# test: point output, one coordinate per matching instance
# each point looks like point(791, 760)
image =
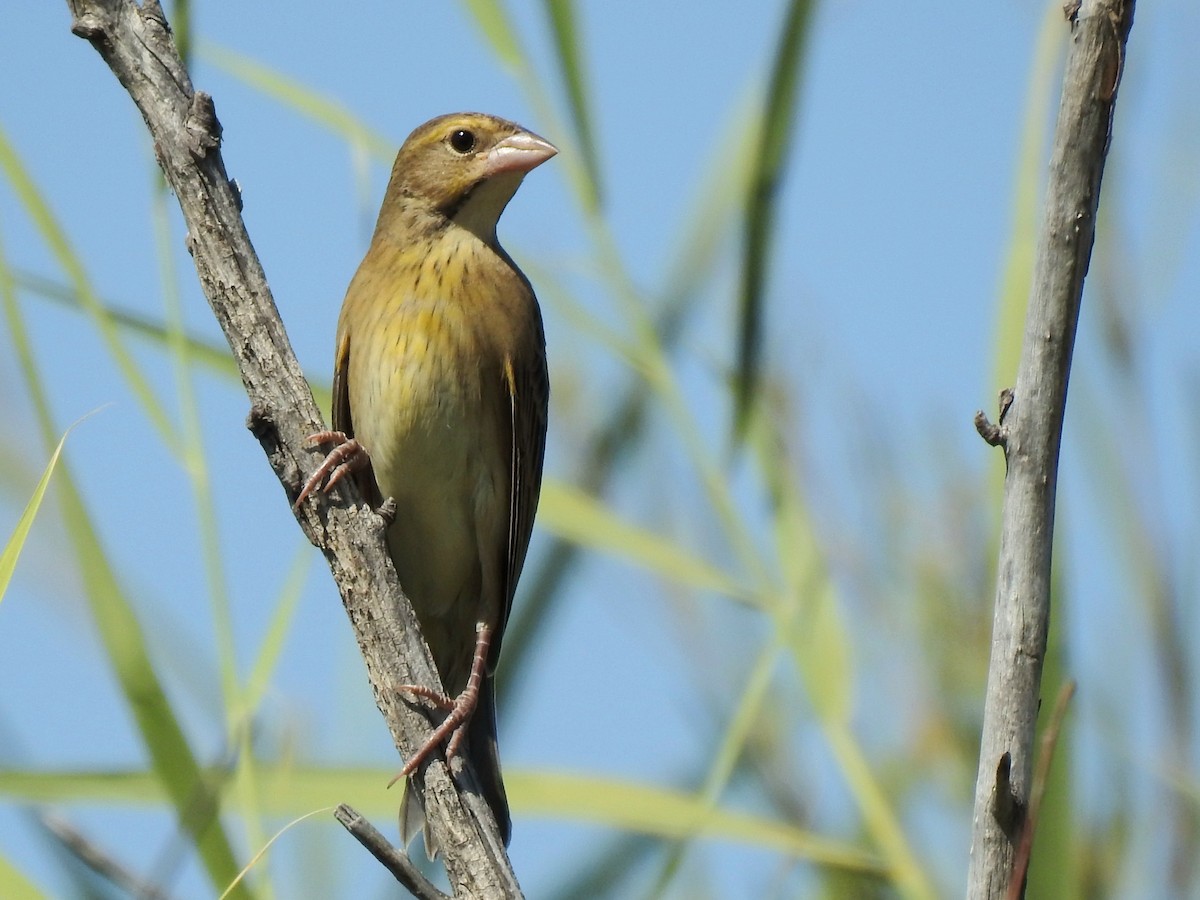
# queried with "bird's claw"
point(454, 729)
point(451, 732)
point(346, 457)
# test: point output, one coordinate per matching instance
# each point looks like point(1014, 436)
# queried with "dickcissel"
point(440, 391)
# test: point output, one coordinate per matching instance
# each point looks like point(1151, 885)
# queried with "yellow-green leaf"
point(572, 515)
point(12, 549)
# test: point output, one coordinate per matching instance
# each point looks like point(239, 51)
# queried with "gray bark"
point(1030, 432)
point(136, 44)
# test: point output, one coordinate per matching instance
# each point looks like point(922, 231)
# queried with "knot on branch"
point(87, 26)
point(1007, 808)
point(152, 14)
point(997, 434)
point(261, 423)
point(203, 129)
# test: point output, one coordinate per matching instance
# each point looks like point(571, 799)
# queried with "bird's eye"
point(462, 141)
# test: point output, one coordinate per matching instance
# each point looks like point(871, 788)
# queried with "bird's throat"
point(479, 209)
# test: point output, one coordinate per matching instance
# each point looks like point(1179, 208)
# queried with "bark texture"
point(136, 43)
point(1030, 431)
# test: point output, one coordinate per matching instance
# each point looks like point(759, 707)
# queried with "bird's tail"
point(484, 754)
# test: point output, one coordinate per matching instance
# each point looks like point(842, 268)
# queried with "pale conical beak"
point(518, 153)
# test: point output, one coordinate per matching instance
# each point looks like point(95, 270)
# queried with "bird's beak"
point(518, 153)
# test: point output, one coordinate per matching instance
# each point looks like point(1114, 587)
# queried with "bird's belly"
point(440, 455)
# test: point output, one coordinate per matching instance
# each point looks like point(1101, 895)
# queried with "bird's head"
point(464, 167)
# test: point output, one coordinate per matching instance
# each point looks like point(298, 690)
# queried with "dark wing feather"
point(529, 394)
point(343, 422)
point(341, 387)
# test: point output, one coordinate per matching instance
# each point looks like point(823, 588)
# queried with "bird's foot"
point(453, 730)
point(346, 457)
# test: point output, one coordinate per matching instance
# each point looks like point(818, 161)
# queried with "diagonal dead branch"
point(136, 44)
point(389, 857)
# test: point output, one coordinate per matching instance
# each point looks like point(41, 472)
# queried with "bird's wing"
point(341, 387)
point(343, 422)
point(528, 393)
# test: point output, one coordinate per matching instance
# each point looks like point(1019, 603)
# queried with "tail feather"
point(485, 757)
point(412, 819)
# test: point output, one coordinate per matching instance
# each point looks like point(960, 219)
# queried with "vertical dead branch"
point(135, 41)
point(1030, 433)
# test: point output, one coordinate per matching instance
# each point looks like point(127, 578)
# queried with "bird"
point(440, 402)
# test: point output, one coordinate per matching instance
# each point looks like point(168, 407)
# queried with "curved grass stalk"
point(175, 766)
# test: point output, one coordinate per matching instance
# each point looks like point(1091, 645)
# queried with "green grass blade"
point(888, 834)
point(570, 514)
point(666, 813)
point(14, 885)
point(747, 713)
point(212, 356)
point(243, 785)
point(266, 846)
point(647, 809)
point(1018, 265)
point(277, 630)
point(775, 138)
point(494, 23)
point(56, 240)
point(720, 190)
point(570, 62)
point(16, 541)
point(123, 639)
point(710, 214)
point(181, 28)
point(305, 100)
point(813, 628)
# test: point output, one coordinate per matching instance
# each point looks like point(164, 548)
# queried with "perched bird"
point(440, 390)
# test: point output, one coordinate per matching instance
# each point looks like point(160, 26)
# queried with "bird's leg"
point(461, 707)
point(346, 457)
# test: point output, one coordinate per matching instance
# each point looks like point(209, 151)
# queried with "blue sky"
point(895, 219)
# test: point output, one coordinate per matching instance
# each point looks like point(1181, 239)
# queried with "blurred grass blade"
point(907, 876)
point(555, 293)
point(494, 23)
point(774, 142)
point(123, 639)
point(181, 29)
point(563, 22)
point(195, 466)
point(695, 258)
point(648, 809)
point(813, 628)
point(277, 631)
point(305, 100)
point(214, 356)
point(498, 30)
point(746, 718)
point(267, 846)
point(665, 813)
point(129, 656)
point(809, 621)
point(14, 885)
point(12, 550)
point(38, 211)
point(1018, 265)
point(706, 223)
point(571, 514)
